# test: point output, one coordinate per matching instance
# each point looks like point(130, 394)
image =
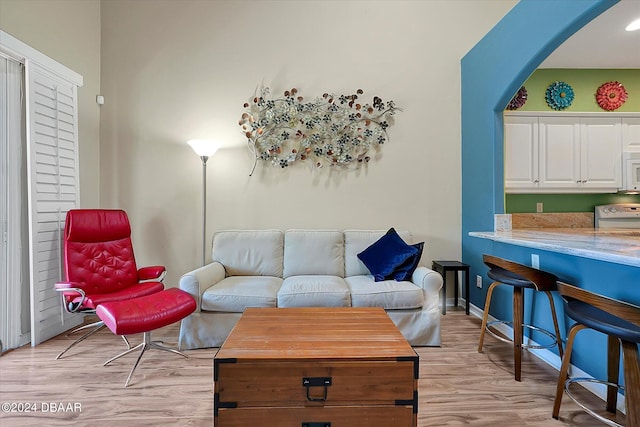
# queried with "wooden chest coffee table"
point(315, 367)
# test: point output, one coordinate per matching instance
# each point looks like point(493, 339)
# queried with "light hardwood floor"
point(457, 386)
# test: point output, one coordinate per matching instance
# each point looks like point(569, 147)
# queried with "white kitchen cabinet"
point(521, 152)
point(559, 151)
point(601, 153)
point(631, 134)
point(562, 153)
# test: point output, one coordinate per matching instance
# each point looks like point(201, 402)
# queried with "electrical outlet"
point(539, 207)
point(535, 261)
point(479, 281)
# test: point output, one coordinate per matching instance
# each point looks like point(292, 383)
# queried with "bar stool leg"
point(564, 369)
point(555, 323)
point(518, 316)
point(631, 382)
point(613, 372)
point(485, 316)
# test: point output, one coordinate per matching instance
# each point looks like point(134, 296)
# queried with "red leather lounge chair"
point(100, 266)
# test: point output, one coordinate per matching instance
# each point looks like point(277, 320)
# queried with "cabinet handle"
point(316, 424)
point(535, 181)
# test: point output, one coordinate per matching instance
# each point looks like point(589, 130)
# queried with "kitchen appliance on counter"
point(621, 215)
point(631, 173)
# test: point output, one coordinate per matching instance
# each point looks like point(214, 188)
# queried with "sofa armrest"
point(197, 281)
point(431, 282)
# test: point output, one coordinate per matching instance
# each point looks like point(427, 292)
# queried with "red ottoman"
point(143, 315)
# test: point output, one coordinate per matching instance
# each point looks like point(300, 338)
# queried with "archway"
point(491, 72)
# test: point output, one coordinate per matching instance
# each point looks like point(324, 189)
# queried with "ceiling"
point(603, 43)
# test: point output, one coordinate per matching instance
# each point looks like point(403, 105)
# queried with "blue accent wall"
point(491, 73)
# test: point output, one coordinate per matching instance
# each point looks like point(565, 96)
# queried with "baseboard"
point(550, 358)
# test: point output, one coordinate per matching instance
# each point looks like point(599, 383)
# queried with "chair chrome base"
point(147, 343)
point(588, 410)
point(526, 326)
point(96, 327)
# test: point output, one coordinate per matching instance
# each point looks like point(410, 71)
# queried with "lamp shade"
point(204, 147)
point(634, 26)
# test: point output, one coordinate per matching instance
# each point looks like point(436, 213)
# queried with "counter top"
point(620, 246)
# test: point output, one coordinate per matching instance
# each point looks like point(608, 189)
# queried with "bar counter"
point(603, 261)
point(620, 246)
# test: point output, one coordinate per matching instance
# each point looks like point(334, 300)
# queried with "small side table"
point(442, 267)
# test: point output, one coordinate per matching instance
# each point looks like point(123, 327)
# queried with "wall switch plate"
point(539, 207)
point(535, 261)
point(479, 281)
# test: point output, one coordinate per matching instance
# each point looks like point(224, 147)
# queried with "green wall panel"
point(585, 83)
point(526, 203)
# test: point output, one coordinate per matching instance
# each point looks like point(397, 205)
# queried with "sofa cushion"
point(313, 252)
point(386, 254)
point(388, 294)
point(236, 293)
point(355, 241)
point(249, 252)
point(314, 291)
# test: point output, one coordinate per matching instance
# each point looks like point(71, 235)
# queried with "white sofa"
point(302, 268)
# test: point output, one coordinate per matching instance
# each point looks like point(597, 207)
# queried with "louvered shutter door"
point(52, 167)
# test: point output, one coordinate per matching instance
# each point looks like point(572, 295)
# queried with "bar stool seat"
point(620, 321)
point(509, 278)
point(520, 277)
point(602, 321)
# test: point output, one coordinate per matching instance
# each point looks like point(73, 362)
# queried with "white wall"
point(175, 70)
point(67, 31)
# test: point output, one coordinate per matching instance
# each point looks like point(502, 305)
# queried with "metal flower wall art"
point(611, 95)
point(519, 99)
point(331, 130)
point(559, 95)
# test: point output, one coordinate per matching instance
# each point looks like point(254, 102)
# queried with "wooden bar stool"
point(620, 321)
point(520, 277)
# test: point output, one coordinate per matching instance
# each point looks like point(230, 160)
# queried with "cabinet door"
point(600, 153)
point(559, 152)
point(520, 152)
point(631, 134)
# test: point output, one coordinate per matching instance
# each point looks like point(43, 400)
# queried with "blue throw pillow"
point(406, 269)
point(386, 254)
